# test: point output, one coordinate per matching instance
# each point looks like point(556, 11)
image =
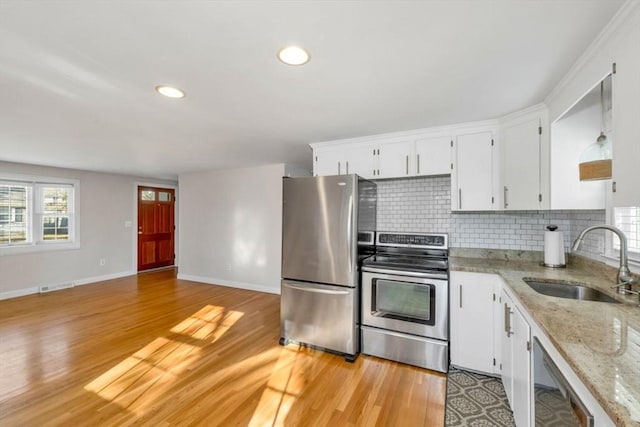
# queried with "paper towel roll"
point(553, 249)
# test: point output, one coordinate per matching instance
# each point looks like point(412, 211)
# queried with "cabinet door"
point(395, 160)
point(359, 160)
point(328, 162)
point(472, 322)
point(521, 368)
point(521, 165)
point(473, 172)
point(626, 122)
point(506, 346)
point(433, 156)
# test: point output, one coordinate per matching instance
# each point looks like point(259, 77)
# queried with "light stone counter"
point(600, 341)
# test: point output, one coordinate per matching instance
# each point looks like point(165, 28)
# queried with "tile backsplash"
point(424, 205)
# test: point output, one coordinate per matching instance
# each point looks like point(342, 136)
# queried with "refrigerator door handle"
point(349, 238)
point(317, 291)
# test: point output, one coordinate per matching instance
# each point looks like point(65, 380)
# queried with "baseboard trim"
point(229, 283)
point(96, 279)
point(88, 280)
point(19, 293)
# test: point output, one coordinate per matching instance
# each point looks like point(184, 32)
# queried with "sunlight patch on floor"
point(150, 370)
point(284, 387)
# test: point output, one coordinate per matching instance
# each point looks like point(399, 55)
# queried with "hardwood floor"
point(155, 350)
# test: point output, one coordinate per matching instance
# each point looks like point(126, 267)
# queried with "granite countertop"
point(600, 341)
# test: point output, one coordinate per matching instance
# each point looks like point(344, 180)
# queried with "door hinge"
point(528, 345)
point(451, 166)
point(613, 186)
point(539, 130)
point(316, 158)
point(614, 68)
point(452, 142)
point(494, 361)
point(501, 366)
point(492, 199)
point(494, 298)
point(492, 142)
point(540, 197)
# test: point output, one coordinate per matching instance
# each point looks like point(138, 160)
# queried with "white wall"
point(572, 134)
point(106, 202)
point(231, 227)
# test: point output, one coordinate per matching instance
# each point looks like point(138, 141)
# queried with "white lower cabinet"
point(472, 300)
point(484, 329)
point(516, 361)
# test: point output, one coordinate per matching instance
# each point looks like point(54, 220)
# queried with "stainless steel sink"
point(569, 291)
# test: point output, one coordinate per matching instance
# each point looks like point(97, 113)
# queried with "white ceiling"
point(77, 77)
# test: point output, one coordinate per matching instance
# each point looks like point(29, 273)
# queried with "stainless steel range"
point(405, 300)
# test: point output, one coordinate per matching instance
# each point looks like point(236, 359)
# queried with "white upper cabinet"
point(338, 161)
point(360, 160)
point(433, 155)
point(328, 162)
point(395, 159)
point(520, 142)
point(473, 172)
point(626, 121)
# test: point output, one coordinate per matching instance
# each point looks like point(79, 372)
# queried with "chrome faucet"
point(624, 277)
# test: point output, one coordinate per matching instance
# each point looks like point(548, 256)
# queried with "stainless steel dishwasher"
point(555, 402)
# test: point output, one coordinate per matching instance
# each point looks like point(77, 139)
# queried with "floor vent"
point(51, 288)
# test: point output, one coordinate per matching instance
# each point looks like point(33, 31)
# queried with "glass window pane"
point(148, 195)
point(164, 196)
point(55, 200)
point(18, 232)
point(55, 228)
point(403, 299)
point(627, 219)
point(14, 213)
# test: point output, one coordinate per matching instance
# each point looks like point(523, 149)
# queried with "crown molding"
point(624, 14)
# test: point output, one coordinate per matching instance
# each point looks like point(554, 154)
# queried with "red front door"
point(156, 227)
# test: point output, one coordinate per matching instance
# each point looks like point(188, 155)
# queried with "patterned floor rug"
point(476, 400)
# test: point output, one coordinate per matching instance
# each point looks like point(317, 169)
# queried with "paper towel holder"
point(561, 263)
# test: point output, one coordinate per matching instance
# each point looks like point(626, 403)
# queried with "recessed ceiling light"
point(170, 91)
point(293, 55)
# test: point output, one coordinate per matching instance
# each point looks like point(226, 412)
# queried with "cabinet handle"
point(418, 163)
point(338, 168)
point(506, 191)
point(460, 296)
point(507, 320)
point(347, 167)
point(459, 198)
point(407, 164)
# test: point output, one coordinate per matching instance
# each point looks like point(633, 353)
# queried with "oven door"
point(412, 305)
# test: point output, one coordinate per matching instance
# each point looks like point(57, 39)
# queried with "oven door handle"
point(404, 273)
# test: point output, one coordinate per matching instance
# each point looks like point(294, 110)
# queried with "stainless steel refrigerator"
point(322, 219)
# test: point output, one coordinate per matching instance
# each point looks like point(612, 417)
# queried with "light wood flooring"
point(158, 351)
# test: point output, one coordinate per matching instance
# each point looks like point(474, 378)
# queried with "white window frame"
point(610, 252)
point(34, 227)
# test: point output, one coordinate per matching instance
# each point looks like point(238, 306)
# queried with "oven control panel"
point(413, 240)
